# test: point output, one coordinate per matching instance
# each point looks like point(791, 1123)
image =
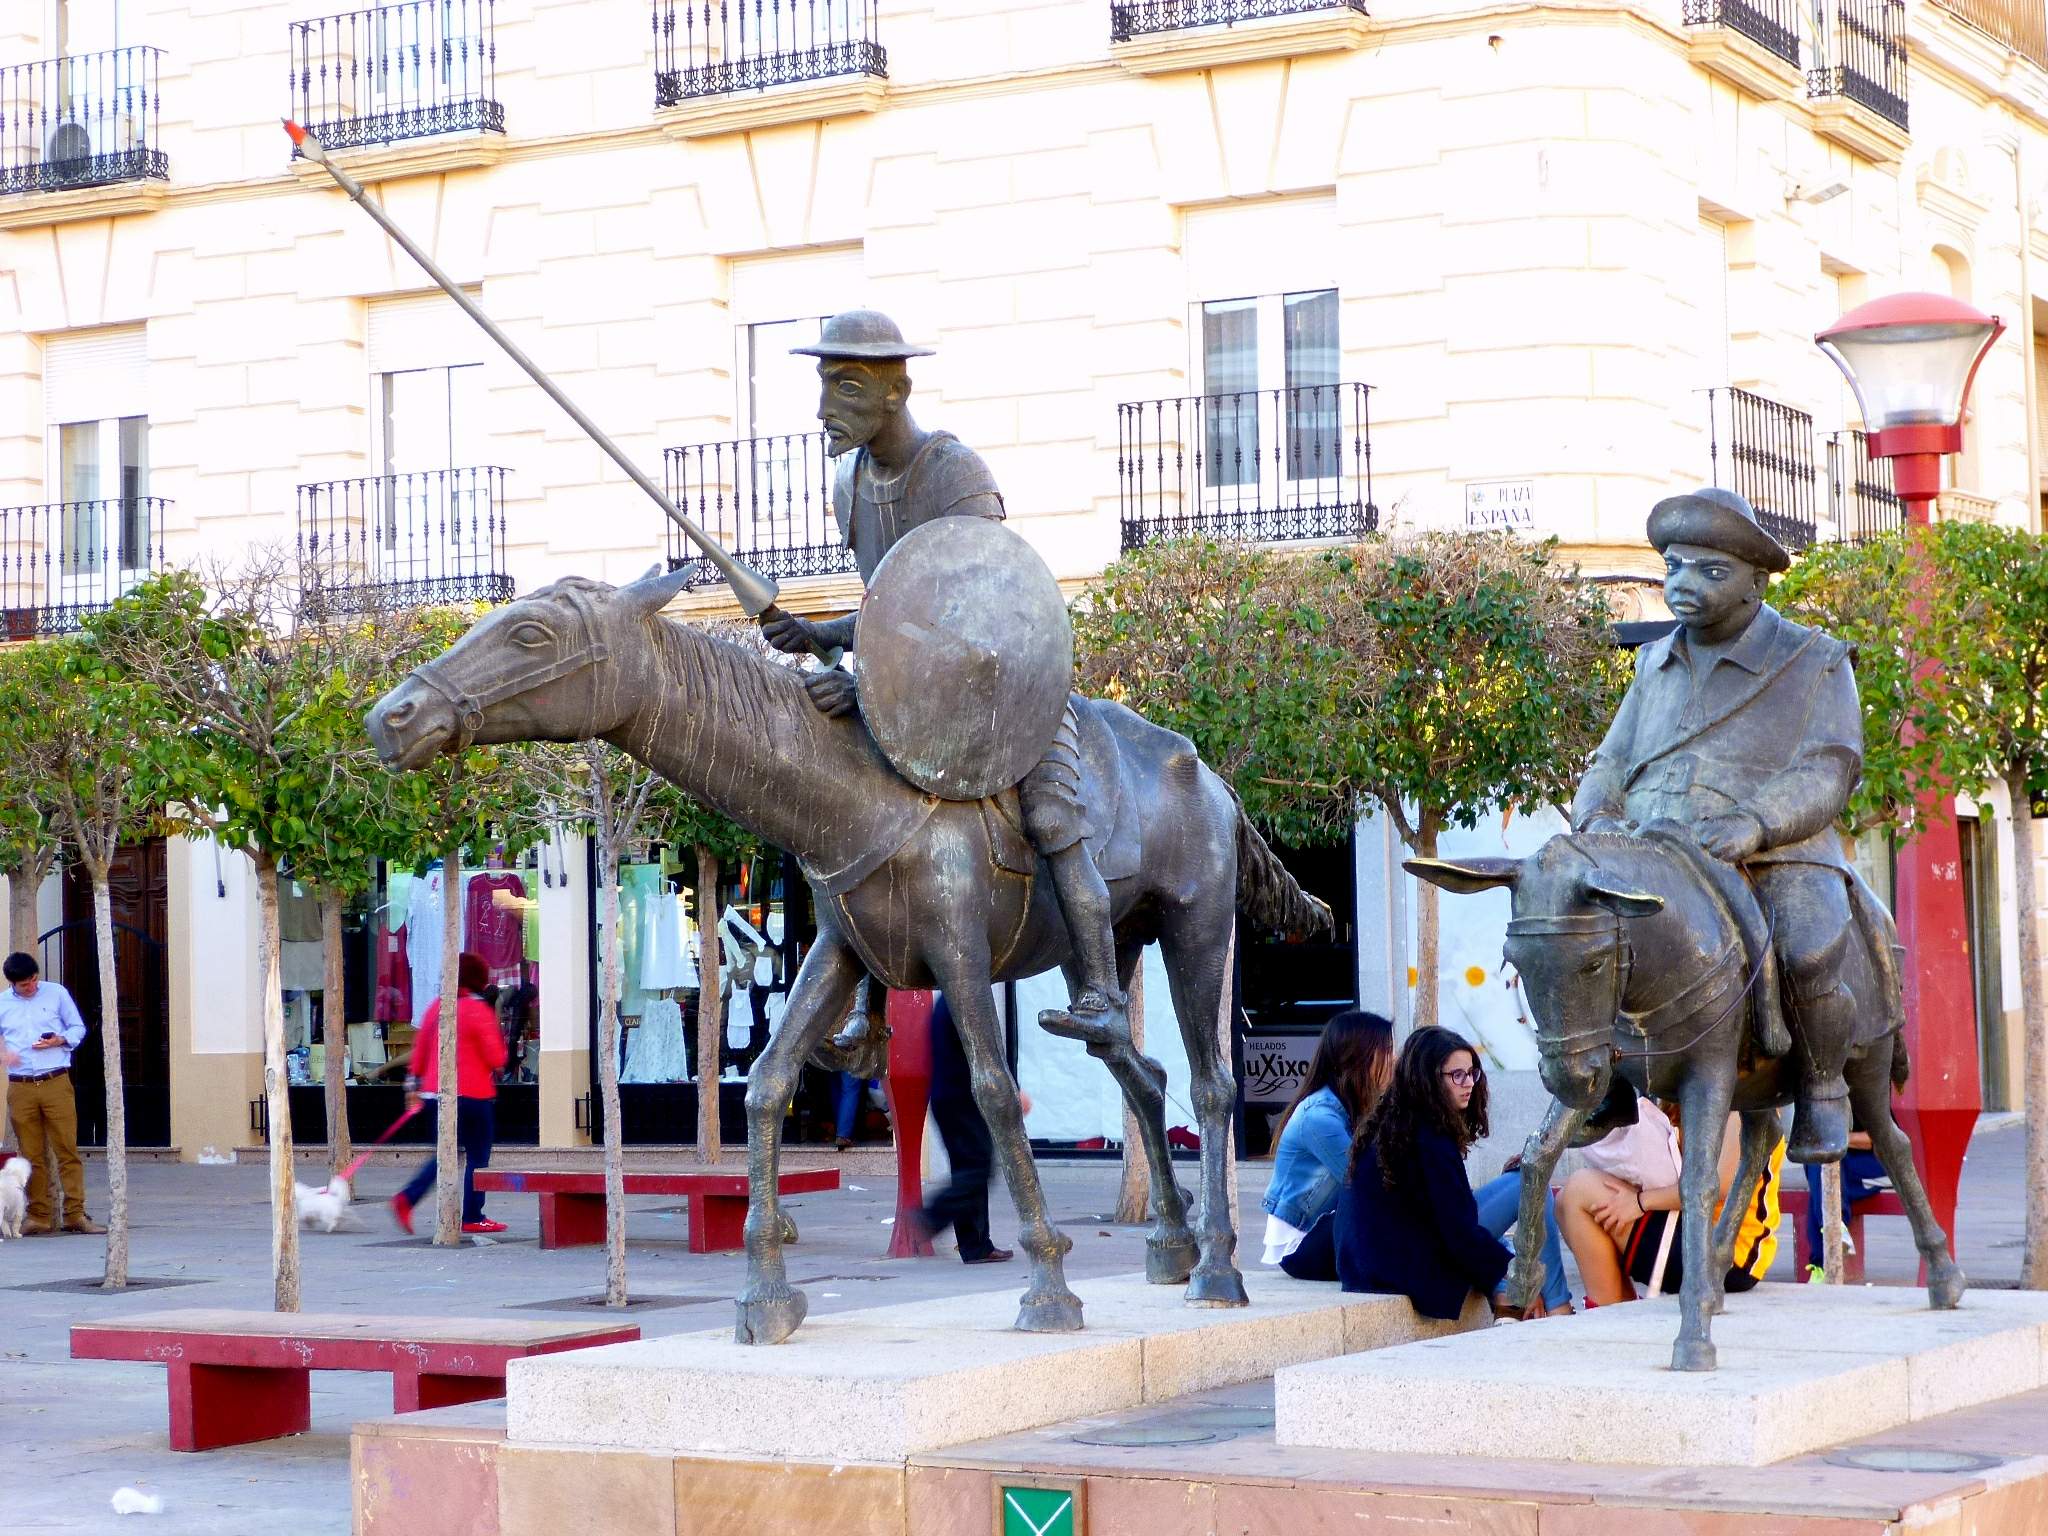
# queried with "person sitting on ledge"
point(1621, 1231)
point(1407, 1223)
point(1351, 1067)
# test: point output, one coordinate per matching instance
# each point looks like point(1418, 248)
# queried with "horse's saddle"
point(1107, 793)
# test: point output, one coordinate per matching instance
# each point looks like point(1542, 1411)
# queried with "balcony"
point(417, 540)
point(1158, 36)
point(1858, 91)
point(87, 120)
point(767, 499)
point(1752, 44)
point(1769, 448)
point(1860, 490)
point(2021, 25)
point(709, 52)
point(65, 560)
point(412, 70)
point(1262, 466)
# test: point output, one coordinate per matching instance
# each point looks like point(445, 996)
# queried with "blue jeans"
point(475, 1123)
point(846, 1104)
point(1858, 1169)
point(1498, 1201)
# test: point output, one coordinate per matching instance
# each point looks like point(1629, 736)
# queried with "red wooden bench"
point(572, 1201)
point(236, 1377)
point(1885, 1202)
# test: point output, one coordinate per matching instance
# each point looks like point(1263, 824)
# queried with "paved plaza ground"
point(78, 1430)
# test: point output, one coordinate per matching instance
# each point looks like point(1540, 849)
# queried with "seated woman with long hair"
point(1407, 1223)
point(1352, 1065)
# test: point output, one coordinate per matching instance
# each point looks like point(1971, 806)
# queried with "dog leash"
point(390, 1130)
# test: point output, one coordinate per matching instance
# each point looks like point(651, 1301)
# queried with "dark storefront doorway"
point(138, 885)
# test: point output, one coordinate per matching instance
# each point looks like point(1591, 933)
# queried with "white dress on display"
point(658, 1054)
point(664, 964)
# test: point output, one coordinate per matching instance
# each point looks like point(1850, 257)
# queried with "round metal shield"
point(966, 657)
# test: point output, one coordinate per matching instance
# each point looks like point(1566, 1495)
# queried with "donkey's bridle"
point(469, 707)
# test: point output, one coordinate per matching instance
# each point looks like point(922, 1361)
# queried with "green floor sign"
point(1038, 1512)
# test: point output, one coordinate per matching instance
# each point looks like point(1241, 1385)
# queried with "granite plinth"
point(882, 1384)
point(1801, 1368)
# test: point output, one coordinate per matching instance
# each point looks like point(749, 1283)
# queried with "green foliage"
point(2003, 572)
point(28, 830)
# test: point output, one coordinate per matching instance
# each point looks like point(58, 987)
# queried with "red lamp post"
point(1910, 358)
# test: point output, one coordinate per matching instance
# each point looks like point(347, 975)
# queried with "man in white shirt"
point(40, 1028)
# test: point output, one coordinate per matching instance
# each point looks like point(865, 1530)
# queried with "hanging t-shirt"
point(664, 962)
point(423, 933)
point(394, 976)
point(491, 932)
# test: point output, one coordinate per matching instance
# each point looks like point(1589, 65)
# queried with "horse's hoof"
point(1217, 1288)
point(1171, 1259)
point(1693, 1355)
point(1050, 1312)
point(769, 1319)
point(1945, 1286)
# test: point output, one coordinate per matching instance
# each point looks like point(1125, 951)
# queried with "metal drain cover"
point(1159, 1432)
point(1911, 1458)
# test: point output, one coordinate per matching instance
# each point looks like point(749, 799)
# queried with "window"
point(1277, 353)
point(427, 410)
point(95, 404)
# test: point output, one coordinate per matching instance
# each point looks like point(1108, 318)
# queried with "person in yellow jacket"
point(1617, 1231)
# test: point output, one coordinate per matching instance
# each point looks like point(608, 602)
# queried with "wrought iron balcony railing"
point(767, 499)
point(65, 560)
point(1262, 466)
point(1864, 57)
point(404, 540)
point(1770, 24)
point(716, 47)
point(2022, 25)
point(1860, 490)
point(1135, 18)
point(1770, 449)
point(403, 71)
point(86, 120)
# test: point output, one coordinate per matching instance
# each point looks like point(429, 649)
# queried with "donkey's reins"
point(469, 707)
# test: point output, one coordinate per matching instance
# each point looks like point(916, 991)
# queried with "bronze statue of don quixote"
point(963, 819)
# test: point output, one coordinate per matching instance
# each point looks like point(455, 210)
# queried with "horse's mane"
point(758, 695)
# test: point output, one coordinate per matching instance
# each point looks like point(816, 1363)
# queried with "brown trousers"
point(45, 1116)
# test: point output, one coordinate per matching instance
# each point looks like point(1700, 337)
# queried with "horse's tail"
point(1267, 894)
point(1901, 1067)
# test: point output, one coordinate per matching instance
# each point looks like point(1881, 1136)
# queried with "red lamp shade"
point(1910, 358)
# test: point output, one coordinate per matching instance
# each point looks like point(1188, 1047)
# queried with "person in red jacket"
point(479, 1053)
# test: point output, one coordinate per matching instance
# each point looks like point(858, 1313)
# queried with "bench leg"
point(571, 1221)
point(718, 1223)
point(413, 1390)
point(216, 1405)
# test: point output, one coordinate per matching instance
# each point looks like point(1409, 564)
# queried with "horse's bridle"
point(469, 707)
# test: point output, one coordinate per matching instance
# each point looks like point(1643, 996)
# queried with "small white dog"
point(13, 1195)
point(325, 1208)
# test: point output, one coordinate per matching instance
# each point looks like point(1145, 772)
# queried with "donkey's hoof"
point(769, 1319)
point(1050, 1312)
point(1693, 1355)
point(1217, 1288)
point(1169, 1260)
point(1945, 1286)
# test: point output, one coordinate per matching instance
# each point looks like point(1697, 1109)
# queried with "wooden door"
point(138, 886)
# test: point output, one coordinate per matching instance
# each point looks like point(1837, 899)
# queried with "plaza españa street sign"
point(1039, 1512)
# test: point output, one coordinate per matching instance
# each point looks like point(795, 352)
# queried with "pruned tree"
point(29, 838)
point(95, 764)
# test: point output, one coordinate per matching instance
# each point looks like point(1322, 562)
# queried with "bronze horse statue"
point(1634, 965)
point(912, 891)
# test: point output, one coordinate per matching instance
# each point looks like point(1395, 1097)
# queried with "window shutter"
point(1247, 250)
point(94, 375)
point(423, 331)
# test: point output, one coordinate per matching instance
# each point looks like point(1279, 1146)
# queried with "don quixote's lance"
point(755, 593)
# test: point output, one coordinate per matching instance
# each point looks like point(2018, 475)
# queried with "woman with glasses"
point(1407, 1222)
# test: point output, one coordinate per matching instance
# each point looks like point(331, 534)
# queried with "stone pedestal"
point(1801, 1367)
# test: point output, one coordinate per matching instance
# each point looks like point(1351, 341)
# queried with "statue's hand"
point(787, 632)
point(1731, 838)
point(832, 691)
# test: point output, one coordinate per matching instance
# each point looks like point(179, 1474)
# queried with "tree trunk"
point(608, 1086)
point(447, 1168)
point(334, 1034)
point(1134, 1195)
point(1833, 1234)
point(23, 883)
point(710, 1027)
point(2033, 1027)
point(284, 1215)
point(1427, 932)
point(117, 1096)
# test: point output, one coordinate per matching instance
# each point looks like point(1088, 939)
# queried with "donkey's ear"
point(651, 593)
point(1622, 903)
point(1465, 877)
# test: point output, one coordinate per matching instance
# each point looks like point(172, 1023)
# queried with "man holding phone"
point(40, 1028)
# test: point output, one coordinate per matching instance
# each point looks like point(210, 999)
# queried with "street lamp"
point(1910, 358)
